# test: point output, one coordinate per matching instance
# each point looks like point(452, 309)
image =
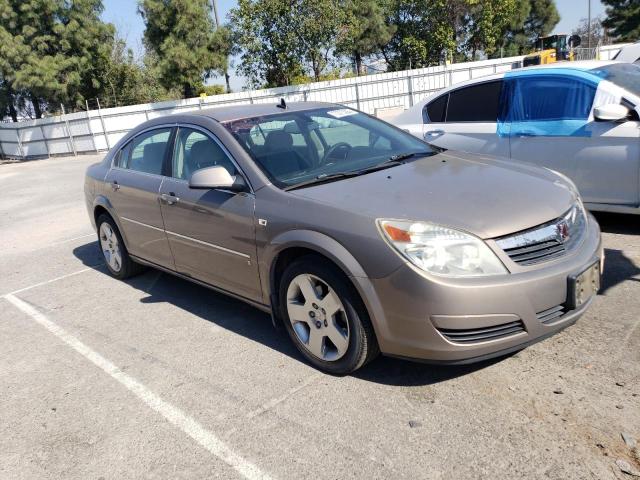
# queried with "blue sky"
point(123, 13)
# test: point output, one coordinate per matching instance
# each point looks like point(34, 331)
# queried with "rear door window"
point(147, 151)
point(435, 111)
point(476, 103)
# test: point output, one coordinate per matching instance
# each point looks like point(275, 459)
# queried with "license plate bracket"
point(583, 286)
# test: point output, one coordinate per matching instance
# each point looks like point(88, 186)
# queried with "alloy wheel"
point(318, 318)
point(110, 247)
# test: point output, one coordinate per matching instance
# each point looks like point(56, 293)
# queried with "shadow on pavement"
point(618, 268)
point(256, 325)
point(618, 223)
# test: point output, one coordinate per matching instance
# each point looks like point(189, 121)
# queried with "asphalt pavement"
point(158, 378)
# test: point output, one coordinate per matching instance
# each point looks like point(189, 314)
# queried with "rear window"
point(435, 111)
point(477, 103)
point(625, 75)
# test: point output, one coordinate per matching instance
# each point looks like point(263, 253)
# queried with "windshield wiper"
point(404, 156)
point(325, 178)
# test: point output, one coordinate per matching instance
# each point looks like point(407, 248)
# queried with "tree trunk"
point(36, 106)
point(187, 90)
point(226, 79)
point(12, 111)
point(358, 59)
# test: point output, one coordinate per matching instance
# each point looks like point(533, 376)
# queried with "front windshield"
point(625, 75)
point(297, 147)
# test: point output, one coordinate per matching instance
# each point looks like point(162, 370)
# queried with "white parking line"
point(94, 234)
point(46, 282)
point(172, 414)
point(275, 401)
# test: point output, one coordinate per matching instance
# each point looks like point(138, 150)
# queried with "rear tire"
point(114, 251)
point(325, 317)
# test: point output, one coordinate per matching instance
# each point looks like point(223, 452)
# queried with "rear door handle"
point(169, 199)
point(433, 134)
point(525, 134)
point(115, 185)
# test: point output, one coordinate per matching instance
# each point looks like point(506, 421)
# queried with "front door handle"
point(525, 134)
point(431, 134)
point(115, 186)
point(169, 199)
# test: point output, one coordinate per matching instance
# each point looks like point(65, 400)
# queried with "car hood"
point(486, 196)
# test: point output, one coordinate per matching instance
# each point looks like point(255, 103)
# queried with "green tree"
point(279, 40)
point(530, 19)
point(364, 31)
point(317, 23)
point(623, 19)
point(485, 23)
point(264, 37)
point(52, 51)
point(424, 32)
point(182, 36)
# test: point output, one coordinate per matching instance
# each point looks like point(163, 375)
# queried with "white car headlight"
point(441, 250)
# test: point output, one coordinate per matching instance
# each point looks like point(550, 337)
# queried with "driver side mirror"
point(216, 177)
point(611, 113)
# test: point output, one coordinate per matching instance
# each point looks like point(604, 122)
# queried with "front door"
point(133, 186)
point(551, 125)
point(211, 232)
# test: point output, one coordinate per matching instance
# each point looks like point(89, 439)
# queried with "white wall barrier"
point(99, 130)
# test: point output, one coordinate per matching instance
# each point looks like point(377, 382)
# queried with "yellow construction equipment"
point(553, 48)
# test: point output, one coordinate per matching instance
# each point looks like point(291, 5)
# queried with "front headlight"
point(441, 250)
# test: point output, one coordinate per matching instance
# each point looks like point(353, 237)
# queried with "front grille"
point(552, 314)
point(547, 241)
point(476, 335)
point(536, 252)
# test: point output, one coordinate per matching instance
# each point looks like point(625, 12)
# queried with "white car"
point(629, 54)
point(578, 118)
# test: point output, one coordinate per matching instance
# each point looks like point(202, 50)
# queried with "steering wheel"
point(334, 148)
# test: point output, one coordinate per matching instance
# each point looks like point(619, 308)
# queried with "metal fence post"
point(410, 90)
point(93, 137)
point(104, 129)
point(1, 150)
point(20, 150)
point(44, 138)
point(357, 96)
point(66, 121)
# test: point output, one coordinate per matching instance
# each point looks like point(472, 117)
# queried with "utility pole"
point(588, 25)
point(217, 19)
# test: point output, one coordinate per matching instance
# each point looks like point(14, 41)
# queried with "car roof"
point(237, 112)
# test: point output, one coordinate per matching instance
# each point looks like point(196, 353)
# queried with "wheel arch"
point(101, 204)
point(294, 244)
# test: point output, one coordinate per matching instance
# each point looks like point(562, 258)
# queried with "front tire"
point(114, 251)
point(325, 317)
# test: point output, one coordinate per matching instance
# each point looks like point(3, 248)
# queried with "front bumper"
point(413, 312)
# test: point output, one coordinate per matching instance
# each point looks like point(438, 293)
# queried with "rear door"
point(133, 186)
point(211, 232)
point(551, 125)
point(466, 119)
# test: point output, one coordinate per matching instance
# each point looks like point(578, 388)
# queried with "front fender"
point(330, 248)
